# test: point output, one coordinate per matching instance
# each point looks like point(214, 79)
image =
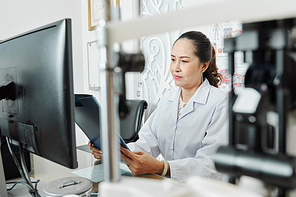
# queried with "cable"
point(14, 158)
point(23, 173)
point(8, 189)
point(24, 166)
point(23, 170)
point(20, 182)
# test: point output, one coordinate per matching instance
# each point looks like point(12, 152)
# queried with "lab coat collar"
point(202, 93)
point(200, 96)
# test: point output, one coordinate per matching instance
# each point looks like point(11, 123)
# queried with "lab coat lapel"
point(174, 99)
point(200, 97)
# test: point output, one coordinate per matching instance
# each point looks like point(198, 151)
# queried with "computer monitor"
point(41, 116)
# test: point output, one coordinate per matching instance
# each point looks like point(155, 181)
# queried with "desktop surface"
point(47, 171)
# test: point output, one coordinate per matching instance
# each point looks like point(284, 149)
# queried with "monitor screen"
point(41, 116)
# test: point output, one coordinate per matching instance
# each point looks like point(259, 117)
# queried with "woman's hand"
point(141, 162)
point(97, 153)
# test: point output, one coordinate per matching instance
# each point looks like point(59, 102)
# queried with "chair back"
point(131, 124)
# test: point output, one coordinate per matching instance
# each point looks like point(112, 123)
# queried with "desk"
point(48, 171)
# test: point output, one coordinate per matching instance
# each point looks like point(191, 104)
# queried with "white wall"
point(90, 36)
point(19, 16)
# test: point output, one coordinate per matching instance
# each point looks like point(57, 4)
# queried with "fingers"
point(125, 157)
point(93, 148)
point(139, 153)
point(134, 161)
point(96, 152)
point(96, 155)
point(126, 152)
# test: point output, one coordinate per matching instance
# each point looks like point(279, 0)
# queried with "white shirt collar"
point(200, 96)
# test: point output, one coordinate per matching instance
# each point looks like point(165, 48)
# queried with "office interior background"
point(20, 16)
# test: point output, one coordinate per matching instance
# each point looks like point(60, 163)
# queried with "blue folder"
point(87, 117)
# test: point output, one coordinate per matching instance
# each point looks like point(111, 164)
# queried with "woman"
point(189, 123)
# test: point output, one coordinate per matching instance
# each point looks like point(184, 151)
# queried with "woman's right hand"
point(97, 153)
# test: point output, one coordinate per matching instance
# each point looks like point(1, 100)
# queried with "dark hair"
point(204, 50)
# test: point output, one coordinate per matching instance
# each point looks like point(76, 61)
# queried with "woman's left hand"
point(141, 162)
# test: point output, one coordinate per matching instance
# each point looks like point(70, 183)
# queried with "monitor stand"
point(3, 191)
point(7, 92)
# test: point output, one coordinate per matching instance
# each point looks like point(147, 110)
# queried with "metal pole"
point(136, 13)
point(109, 98)
point(281, 110)
point(230, 99)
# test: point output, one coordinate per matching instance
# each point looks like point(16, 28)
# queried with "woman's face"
point(185, 66)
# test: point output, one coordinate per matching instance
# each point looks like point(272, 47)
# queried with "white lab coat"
point(190, 142)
